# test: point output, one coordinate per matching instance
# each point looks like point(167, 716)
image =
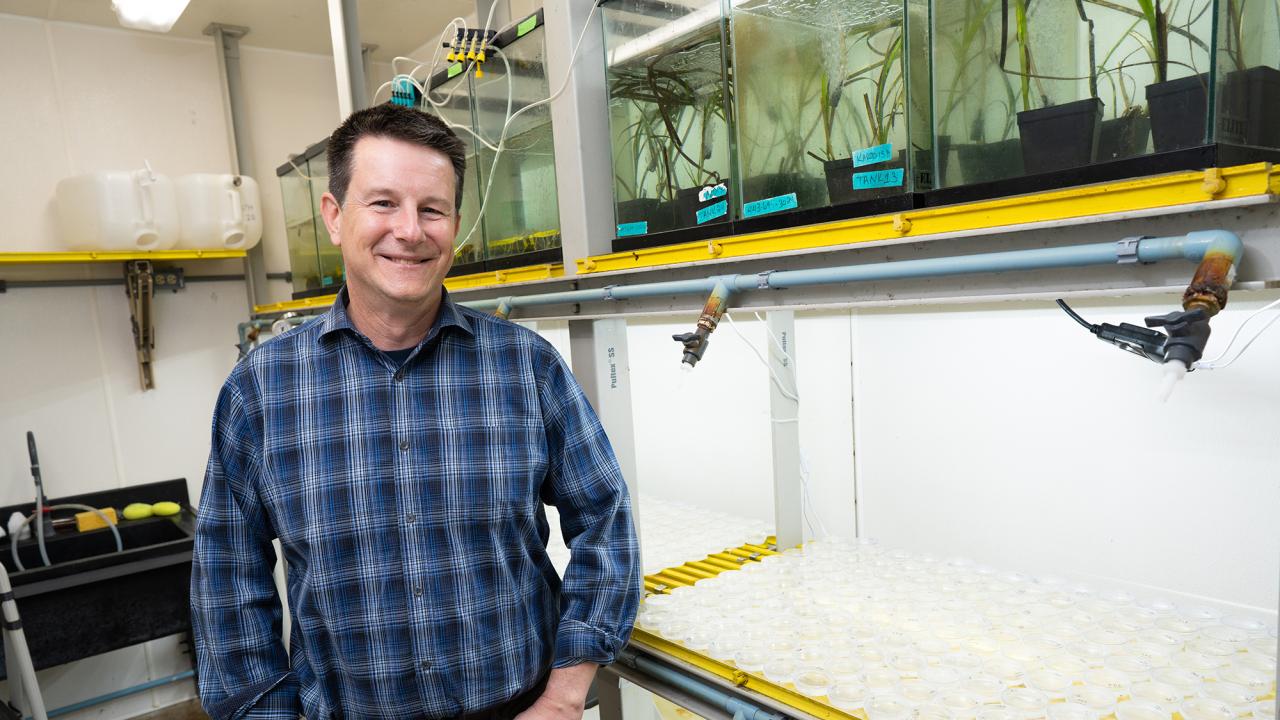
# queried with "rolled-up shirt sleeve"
point(235, 610)
point(602, 585)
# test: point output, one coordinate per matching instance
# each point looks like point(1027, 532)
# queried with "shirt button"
point(404, 444)
point(410, 518)
point(399, 376)
point(417, 590)
point(425, 664)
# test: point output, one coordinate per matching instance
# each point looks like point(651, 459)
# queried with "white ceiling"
point(397, 27)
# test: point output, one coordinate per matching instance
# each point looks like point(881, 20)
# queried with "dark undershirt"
point(399, 356)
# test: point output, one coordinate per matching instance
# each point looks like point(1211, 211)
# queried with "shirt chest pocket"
point(488, 470)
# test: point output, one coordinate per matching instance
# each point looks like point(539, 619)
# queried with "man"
point(401, 448)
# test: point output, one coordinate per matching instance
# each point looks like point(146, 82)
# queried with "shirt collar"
point(337, 318)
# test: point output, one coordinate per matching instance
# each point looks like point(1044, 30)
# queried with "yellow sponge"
point(137, 511)
point(89, 520)
point(166, 508)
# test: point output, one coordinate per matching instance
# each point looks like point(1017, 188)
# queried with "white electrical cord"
point(502, 139)
point(792, 396)
point(1216, 363)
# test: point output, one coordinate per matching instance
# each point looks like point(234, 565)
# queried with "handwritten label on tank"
point(633, 228)
point(711, 212)
point(878, 179)
point(770, 205)
point(454, 69)
point(873, 155)
point(527, 26)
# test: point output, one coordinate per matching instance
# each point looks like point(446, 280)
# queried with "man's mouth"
point(404, 260)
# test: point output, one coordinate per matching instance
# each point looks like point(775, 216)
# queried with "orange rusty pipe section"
point(695, 343)
point(1208, 288)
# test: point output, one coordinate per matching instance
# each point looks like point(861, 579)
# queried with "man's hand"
point(564, 696)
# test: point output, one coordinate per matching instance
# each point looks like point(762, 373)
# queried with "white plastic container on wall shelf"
point(118, 211)
point(218, 212)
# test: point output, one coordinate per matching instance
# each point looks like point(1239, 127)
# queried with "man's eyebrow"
point(371, 192)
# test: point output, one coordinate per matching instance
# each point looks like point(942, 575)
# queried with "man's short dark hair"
point(398, 123)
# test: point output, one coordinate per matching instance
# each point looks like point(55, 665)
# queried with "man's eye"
point(382, 204)
point(431, 212)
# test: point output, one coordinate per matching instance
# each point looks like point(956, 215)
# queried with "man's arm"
point(565, 696)
point(235, 610)
point(602, 584)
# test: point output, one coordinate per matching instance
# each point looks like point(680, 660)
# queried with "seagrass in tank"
point(832, 105)
point(1063, 92)
point(669, 120)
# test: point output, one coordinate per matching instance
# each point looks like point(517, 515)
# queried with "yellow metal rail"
point(461, 282)
point(1160, 191)
point(47, 258)
point(714, 564)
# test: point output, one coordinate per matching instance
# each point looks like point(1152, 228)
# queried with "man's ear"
point(331, 211)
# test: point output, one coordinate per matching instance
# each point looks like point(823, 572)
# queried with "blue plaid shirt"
point(409, 503)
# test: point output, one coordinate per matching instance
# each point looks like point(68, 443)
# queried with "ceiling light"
point(153, 15)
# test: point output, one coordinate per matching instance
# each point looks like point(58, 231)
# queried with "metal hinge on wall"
point(139, 285)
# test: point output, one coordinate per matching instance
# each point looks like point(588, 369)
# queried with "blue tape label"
point(633, 228)
point(711, 212)
point(878, 179)
point(770, 205)
point(712, 192)
point(873, 155)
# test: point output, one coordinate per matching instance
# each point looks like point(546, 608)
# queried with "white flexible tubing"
point(13, 544)
point(1213, 363)
point(18, 641)
point(502, 139)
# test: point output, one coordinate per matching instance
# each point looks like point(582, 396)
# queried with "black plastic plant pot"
point(1179, 109)
point(839, 180)
point(689, 203)
point(988, 162)
point(1123, 137)
point(1060, 137)
point(1249, 108)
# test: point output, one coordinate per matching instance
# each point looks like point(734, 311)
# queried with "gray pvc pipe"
point(1191, 246)
point(701, 690)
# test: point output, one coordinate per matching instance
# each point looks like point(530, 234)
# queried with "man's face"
point(397, 226)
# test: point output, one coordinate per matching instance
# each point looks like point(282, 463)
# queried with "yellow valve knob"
point(451, 56)
point(479, 72)
point(480, 55)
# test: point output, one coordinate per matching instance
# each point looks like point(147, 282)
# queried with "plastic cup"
point(848, 696)
point(751, 659)
point(996, 712)
point(779, 670)
point(1135, 666)
point(1071, 711)
point(1239, 697)
point(887, 707)
point(1141, 710)
point(1093, 654)
point(1251, 625)
point(1027, 703)
point(1257, 681)
point(1069, 665)
point(917, 691)
point(1101, 700)
point(1196, 662)
point(812, 681)
point(1050, 682)
point(962, 704)
point(1263, 710)
point(1003, 669)
point(1157, 692)
point(1213, 648)
point(1110, 679)
point(1187, 682)
point(1177, 624)
point(1203, 708)
point(1227, 634)
point(940, 676)
point(931, 712)
point(1265, 645)
point(879, 679)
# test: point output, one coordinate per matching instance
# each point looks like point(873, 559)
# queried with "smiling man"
point(401, 448)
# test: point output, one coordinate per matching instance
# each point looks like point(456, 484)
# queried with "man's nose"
point(405, 224)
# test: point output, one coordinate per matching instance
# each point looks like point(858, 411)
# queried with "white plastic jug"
point(219, 212)
point(118, 211)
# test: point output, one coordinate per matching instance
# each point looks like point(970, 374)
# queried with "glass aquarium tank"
point(1094, 90)
point(669, 119)
point(832, 104)
point(314, 261)
point(450, 98)
point(522, 213)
